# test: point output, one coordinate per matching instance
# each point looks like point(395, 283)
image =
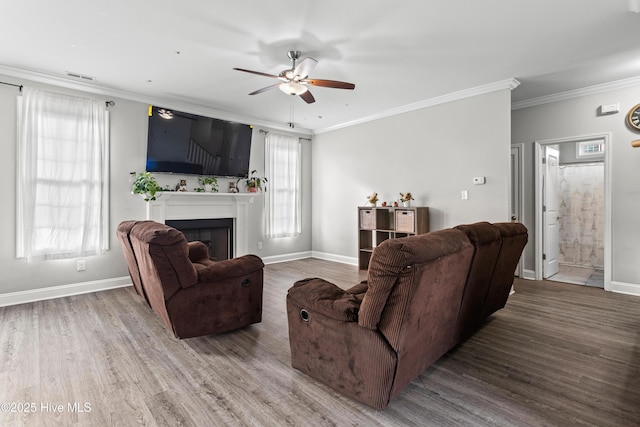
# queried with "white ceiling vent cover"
point(79, 76)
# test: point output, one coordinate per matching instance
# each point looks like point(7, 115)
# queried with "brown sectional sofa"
point(422, 296)
point(192, 295)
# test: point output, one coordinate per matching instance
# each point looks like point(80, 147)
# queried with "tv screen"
point(190, 144)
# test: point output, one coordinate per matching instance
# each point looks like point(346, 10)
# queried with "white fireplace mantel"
point(191, 205)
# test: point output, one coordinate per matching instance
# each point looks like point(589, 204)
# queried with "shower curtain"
point(582, 214)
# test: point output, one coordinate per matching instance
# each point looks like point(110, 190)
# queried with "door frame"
point(519, 190)
point(538, 154)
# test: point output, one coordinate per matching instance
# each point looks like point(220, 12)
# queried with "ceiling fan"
point(294, 81)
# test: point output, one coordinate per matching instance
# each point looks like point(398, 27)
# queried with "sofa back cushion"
point(486, 240)
point(123, 234)
point(167, 253)
point(514, 239)
point(411, 277)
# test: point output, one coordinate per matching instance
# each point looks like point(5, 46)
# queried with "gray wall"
point(433, 152)
point(578, 117)
point(128, 153)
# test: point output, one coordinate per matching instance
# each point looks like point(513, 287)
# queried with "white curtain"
point(283, 159)
point(63, 150)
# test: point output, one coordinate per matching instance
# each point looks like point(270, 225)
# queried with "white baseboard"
point(32, 295)
point(625, 288)
point(336, 258)
point(310, 254)
point(286, 257)
point(529, 274)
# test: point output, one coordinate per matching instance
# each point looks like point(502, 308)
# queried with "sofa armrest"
point(198, 251)
point(235, 267)
point(323, 297)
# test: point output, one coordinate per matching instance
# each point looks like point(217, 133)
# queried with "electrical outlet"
point(81, 265)
point(259, 245)
point(464, 195)
point(479, 180)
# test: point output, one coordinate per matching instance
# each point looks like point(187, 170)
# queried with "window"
point(587, 149)
point(62, 209)
point(283, 156)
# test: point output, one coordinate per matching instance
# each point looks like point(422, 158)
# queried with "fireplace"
point(216, 233)
point(182, 206)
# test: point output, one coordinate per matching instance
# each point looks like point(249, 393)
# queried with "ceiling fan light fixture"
point(293, 88)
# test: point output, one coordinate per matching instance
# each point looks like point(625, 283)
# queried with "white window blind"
point(283, 159)
point(63, 149)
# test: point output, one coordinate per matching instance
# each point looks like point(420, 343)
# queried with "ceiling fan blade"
point(257, 72)
point(305, 67)
point(308, 98)
point(330, 83)
point(264, 89)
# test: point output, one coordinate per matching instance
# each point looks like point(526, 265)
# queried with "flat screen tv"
point(190, 144)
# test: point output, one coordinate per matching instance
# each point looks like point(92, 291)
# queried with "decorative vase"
point(406, 203)
point(373, 204)
point(208, 188)
point(253, 190)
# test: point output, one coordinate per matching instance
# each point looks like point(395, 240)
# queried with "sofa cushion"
point(486, 240)
point(170, 251)
point(123, 231)
point(210, 271)
point(514, 239)
point(393, 259)
point(198, 251)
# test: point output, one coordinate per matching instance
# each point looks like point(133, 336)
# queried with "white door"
point(550, 205)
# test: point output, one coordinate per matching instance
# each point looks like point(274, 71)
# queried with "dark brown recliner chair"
point(192, 295)
point(371, 341)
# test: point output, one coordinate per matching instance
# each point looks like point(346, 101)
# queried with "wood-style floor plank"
point(556, 355)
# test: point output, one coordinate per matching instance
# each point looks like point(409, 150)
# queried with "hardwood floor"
point(556, 355)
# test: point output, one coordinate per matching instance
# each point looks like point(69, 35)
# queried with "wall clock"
point(633, 117)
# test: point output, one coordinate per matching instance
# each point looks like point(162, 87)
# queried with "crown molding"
point(168, 102)
point(454, 96)
point(570, 94)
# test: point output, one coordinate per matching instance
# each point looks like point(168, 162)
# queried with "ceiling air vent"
point(79, 76)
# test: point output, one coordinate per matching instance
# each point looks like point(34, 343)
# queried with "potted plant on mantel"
point(254, 183)
point(145, 184)
point(209, 183)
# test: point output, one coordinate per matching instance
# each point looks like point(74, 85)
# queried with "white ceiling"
point(181, 52)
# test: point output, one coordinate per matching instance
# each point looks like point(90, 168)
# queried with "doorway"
point(572, 232)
